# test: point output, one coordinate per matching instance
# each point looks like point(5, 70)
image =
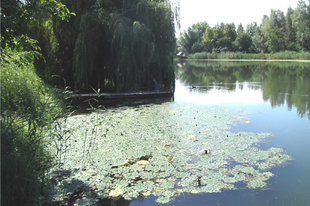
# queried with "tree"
point(243, 42)
point(301, 23)
point(221, 25)
point(276, 19)
point(191, 36)
point(18, 20)
point(250, 28)
point(219, 37)
point(259, 40)
point(229, 35)
point(208, 39)
point(198, 47)
point(240, 29)
point(290, 32)
point(275, 40)
point(116, 45)
point(269, 31)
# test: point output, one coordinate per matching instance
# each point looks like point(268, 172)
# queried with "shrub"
point(27, 105)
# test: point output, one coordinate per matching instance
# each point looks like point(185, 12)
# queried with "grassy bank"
point(245, 56)
point(27, 105)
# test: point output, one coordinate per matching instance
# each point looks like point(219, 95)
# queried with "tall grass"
point(286, 55)
point(27, 105)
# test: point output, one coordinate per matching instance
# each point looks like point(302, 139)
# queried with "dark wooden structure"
point(121, 95)
point(110, 99)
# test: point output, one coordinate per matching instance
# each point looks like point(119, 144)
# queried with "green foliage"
point(56, 8)
point(277, 32)
point(240, 29)
point(300, 21)
point(287, 55)
point(250, 28)
point(208, 39)
point(100, 45)
point(259, 40)
point(86, 49)
point(18, 19)
point(192, 36)
point(243, 42)
point(119, 45)
point(230, 36)
point(198, 47)
point(27, 104)
point(219, 39)
point(275, 19)
point(290, 32)
point(275, 40)
point(219, 36)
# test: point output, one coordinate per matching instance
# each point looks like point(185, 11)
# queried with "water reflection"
point(278, 83)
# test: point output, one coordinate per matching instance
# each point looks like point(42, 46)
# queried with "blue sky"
point(229, 11)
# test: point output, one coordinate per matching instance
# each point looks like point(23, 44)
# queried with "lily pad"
point(121, 153)
point(163, 199)
point(256, 184)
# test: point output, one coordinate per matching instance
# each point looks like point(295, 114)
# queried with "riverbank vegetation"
point(49, 48)
point(279, 36)
point(286, 55)
point(27, 105)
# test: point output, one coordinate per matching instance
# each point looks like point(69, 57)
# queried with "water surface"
point(277, 97)
point(151, 149)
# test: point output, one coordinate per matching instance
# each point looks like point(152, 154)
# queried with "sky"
point(229, 11)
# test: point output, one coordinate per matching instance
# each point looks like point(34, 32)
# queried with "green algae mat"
point(162, 150)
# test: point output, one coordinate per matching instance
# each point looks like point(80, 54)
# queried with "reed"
point(28, 105)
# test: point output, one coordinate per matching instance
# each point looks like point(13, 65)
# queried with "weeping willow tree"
point(122, 45)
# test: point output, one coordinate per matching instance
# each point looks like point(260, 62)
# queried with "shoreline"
point(258, 60)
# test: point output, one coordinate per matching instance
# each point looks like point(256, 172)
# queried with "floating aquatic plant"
point(154, 150)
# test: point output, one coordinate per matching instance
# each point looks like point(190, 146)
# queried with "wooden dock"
point(112, 99)
point(102, 96)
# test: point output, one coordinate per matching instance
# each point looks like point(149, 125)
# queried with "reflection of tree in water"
point(290, 85)
point(281, 82)
point(207, 73)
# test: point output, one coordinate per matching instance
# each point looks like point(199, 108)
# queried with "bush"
point(27, 105)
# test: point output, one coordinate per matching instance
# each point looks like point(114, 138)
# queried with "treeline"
point(112, 45)
point(277, 32)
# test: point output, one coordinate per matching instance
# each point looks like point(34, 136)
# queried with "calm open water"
point(276, 96)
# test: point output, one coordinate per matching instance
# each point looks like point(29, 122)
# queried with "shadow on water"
point(83, 193)
point(90, 105)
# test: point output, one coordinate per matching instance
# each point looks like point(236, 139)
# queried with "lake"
point(277, 97)
point(251, 117)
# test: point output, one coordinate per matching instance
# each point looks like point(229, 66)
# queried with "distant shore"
point(253, 60)
point(238, 56)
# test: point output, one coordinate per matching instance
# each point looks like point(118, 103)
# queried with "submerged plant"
point(156, 150)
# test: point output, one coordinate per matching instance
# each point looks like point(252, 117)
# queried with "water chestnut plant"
point(154, 150)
